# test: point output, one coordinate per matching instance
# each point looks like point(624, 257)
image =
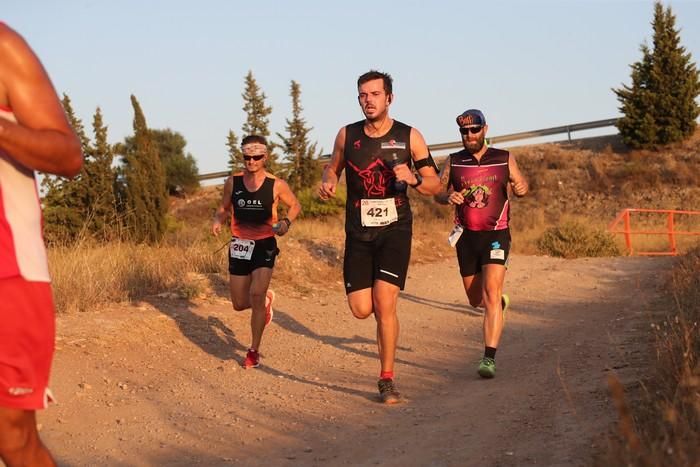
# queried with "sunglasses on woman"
point(255, 158)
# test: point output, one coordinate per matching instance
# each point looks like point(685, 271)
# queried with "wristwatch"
point(419, 180)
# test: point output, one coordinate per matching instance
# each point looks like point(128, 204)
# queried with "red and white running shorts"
point(27, 333)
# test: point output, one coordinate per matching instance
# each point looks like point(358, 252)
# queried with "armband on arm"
point(428, 161)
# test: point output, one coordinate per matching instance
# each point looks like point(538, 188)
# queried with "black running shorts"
point(384, 258)
point(474, 249)
point(264, 253)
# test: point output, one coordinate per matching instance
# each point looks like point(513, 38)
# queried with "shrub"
point(312, 206)
point(573, 239)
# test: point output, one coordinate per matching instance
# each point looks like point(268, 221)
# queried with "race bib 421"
point(378, 212)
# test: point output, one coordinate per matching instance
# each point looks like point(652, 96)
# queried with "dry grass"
point(662, 427)
point(90, 275)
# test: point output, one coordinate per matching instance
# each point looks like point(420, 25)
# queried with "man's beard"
point(475, 146)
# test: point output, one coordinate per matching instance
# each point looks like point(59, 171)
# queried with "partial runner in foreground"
point(475, 180)
point(378, 153)
point(252, 197)
point(34, 135)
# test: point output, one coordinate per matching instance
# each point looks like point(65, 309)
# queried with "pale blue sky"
point(526, 64)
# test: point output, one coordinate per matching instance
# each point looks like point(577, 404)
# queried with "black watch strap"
point(419, 180)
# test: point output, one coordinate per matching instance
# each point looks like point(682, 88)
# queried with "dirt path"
point(161, 384)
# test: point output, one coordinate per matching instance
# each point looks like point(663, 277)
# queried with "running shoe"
point(505, 303)
point(487, 367)
point(387, 391)
point(269, 298)
point(252, 359)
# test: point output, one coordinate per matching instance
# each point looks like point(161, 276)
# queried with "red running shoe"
point(252, 359)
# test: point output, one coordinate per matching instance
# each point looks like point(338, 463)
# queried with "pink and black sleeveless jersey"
point(369, 174)
point(252, 210)
point(22, 251)
point(484, 185)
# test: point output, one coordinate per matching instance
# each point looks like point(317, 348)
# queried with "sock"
point(490, 352)
point(386, 375)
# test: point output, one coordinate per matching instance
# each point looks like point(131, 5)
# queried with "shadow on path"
point(208, 333)
point(463, 309)
point(286, 321)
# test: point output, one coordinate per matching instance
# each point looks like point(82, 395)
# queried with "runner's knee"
point(492, 297)
point(475, 300)
point(257, 297)
point(361, 311)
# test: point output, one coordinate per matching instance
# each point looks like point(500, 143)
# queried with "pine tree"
point(235, 155)
point(64, 201)
point(660, 106)
point(304, 170)
point(144, 184)
point(257, 121)
point(101, 177)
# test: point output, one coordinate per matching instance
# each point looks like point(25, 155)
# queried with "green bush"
point(574, 239)
point(312, 206)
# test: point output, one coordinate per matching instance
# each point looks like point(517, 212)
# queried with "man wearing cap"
point(252, 197)
point(378, 153)
point(475, 180)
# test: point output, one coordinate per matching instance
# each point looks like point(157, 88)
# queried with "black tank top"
point(369, 175)
point(252, 211)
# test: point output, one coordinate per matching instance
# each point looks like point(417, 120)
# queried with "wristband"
point(419, 180)
point(286, 219)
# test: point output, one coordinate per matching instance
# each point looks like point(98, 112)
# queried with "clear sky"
point(527, 64)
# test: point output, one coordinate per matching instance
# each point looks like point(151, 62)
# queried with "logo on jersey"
point(477, 196)
point(356, 144)
point(375, 178)
point(249, 203)
point(393, 144)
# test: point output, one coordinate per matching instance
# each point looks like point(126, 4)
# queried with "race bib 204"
point(241, 248)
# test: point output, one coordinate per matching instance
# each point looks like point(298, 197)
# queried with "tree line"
point(122, 191)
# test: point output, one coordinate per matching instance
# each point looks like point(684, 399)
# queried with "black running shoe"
point(388, 392)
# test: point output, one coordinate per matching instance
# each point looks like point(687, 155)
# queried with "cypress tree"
point(660, 106)
point(144, 181)
point(304, 169)
point(180, 167)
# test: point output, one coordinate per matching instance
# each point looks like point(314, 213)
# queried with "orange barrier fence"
point(623, 225)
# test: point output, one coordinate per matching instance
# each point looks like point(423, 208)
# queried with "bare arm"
point(285, 194)
point(42, 138)
point(224, 209)
point(517, 179)
point(334, 168)
point(419, 151)
point(443, 196)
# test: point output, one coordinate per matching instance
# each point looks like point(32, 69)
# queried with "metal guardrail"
point(568, 129)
